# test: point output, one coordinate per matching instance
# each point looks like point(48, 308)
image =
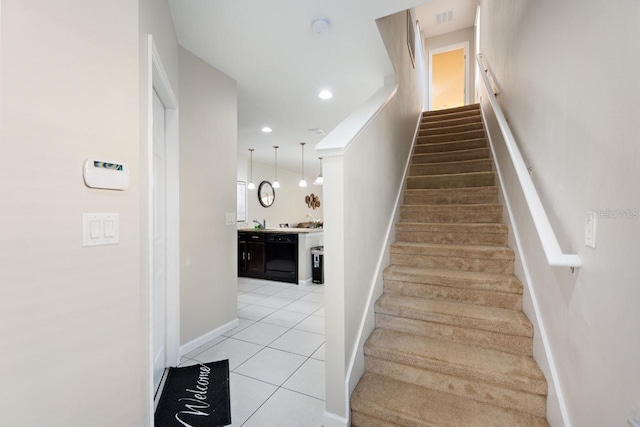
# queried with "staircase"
point(451, 345)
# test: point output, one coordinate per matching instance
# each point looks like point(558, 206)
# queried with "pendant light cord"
point(302, 143)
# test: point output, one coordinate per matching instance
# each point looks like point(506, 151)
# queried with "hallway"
point(276, 355)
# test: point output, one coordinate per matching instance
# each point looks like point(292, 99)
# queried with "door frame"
point(465, 46)
point(158, 80)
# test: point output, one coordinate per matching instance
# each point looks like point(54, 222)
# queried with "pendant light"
point(276, 184)
point(251, 185)
point(319, 180)
point(302, 182)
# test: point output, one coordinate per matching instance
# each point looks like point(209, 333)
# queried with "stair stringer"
point(557, 413)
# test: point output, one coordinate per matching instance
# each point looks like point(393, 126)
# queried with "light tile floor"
point(276, 355)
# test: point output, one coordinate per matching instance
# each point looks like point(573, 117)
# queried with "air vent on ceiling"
point(317, 132)
point(443, 17)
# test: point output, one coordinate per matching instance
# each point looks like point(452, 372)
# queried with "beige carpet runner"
point(451, 345)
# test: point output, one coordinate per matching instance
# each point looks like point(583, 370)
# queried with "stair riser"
point(430, 197)
point(451, 217)
point(450, 146)
point(512, 328)
point(454, 263)
point(473, 374)
point(398, 403)
point(432, 131)
point(501, 284)
point(458, 294)
point(512, 344)
point(452, 238)
point(424, 138)
point(483, 165)
point(467, 110)
point(451, 122)
point(451, 156)
point(478, 179)
point(530, 403)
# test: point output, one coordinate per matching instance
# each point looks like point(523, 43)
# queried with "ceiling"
point(464, 15)
point(281, 64)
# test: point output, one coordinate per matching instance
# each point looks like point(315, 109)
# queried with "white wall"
point(74, 336)
point(208, 158)
point(460, 36)
point(361, 190)
point(289, 206)
point(568, 73)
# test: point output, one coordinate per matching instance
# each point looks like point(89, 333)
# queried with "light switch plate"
point(590, 229)
point(230, 218)
point(100, 229)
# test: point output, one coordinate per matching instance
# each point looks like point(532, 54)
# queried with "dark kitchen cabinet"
point(272, 256)
point(251, 255)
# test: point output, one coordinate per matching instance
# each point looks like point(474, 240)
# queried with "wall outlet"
point(590, 229)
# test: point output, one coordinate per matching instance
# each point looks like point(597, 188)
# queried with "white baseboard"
point(329, 419)
point(203, 339)
point(305, 282)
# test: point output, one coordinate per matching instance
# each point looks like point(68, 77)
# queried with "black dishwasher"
point(282, 257)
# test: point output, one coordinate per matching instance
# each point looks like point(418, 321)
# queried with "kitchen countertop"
point(282, 230)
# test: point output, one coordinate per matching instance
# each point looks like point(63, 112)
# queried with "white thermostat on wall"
point(105, 174)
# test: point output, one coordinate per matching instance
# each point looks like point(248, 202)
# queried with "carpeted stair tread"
point(453, 213)
point(445, 147)
point(479, 258)
point(513, 344)
point(475, 118)
point(451, 228)
point(464, 127)
point(501, 369)
point(469, 195)
point(361, 419)
point(452, 233)
point(485, 318)
point(531, 403)
point(386, 402)
point(458, 180)
point(446, 111)
point(471, 251)
point(465, 166)
point(458, 279)
point(451, 156)
point(424, 137)
point(442, 147)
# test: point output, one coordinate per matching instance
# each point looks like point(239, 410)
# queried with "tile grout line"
point(307, 358)
point(256, 303)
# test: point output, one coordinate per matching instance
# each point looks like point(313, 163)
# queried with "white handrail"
point(555, 256)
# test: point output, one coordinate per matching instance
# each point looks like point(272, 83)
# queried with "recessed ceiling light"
point(266, 129)
point(325, 94)
point(321, 25)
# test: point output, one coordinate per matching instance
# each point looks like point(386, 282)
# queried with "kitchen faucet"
point(261, 225)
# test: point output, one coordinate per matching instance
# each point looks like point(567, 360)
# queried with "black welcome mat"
point(195, 396)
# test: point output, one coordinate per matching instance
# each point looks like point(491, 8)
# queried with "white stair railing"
point(555, 256)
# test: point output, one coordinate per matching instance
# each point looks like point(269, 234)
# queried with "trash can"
point(317, 264)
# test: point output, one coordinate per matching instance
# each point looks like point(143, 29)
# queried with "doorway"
point(159, 282)
point(449, 76)
point(161, 240)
